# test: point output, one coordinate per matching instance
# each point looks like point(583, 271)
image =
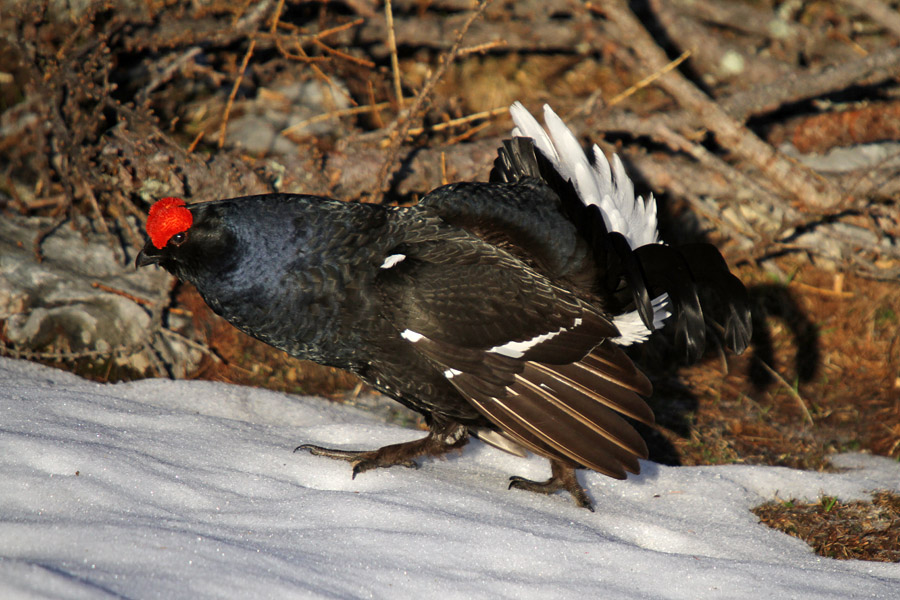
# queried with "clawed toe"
point(563, 478)
point(348, 455)
point(361, 460)
point(438, 442)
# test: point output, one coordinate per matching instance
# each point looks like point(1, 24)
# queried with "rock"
point(258, 129)
point(83, 300)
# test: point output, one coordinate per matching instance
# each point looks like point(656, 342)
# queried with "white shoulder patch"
point(392, 260)
point(412, 336)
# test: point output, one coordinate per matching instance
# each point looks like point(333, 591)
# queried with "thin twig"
point(821, 291)
point(61, 355)
point(321, 76)
point(346, 112)
point(392, 46)
point(339, 28)
point(485, 114)
point(167, 73)
point(320, 34)
point(111, 290)
point(231, 96)
point(95, 207)
point(800, 401)
point(648, 79)
point(276, 17)
point(348, 57)
point(376, 112)
point(300, 56)
point(482, 48)
point(468, 133)
point(196, 141)
point(192, 343)
point(419, 105)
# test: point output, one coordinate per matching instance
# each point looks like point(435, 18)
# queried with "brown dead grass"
point(842, 530)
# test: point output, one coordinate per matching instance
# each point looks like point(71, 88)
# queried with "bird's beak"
point(149, 255)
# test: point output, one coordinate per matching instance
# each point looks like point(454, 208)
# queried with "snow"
point(190, 489)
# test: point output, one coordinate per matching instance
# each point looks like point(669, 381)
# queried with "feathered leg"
point(443, 438)
point(562, 478)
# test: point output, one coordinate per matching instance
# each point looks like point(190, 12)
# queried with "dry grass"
point(843, 530)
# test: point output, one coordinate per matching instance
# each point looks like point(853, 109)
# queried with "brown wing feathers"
point(569, 412)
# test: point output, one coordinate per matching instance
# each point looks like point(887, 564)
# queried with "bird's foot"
point(439, 441)
point(361, 460)
point(562, 478)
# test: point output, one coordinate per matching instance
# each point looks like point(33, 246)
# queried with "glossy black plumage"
point(493, 309)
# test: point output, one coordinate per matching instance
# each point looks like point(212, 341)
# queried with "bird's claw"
point(361, 460)
point(554, 484)
point(328, 452)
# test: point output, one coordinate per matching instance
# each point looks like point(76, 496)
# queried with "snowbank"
point(187, 489)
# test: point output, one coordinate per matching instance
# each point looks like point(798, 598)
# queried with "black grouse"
point(494, 309)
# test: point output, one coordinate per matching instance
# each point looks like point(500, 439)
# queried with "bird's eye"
point(178, 239)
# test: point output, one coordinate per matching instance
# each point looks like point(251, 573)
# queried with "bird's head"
point(184, 240)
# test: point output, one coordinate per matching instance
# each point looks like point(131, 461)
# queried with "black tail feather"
point(632, 272)
point(710, 269)
point(666, 270)
point(515, 160)
point(684, 271)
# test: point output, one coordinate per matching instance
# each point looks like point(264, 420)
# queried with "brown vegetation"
point(844, 530)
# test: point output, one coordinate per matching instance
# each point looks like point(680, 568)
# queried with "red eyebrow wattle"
point(168, 217)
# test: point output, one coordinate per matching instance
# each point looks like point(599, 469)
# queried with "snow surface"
point(189, 489)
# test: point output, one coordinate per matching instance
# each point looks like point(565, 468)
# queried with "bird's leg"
point(562, 478)
point(442, 438)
